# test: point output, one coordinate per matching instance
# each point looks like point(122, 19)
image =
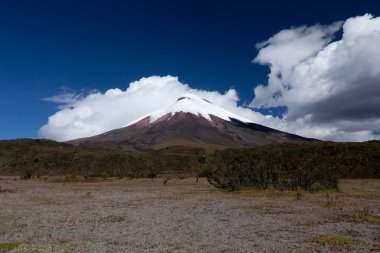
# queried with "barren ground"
point(147, 216)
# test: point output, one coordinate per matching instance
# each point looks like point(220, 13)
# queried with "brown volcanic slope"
point(187, 129)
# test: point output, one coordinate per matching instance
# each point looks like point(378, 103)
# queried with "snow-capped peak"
point(190, 103)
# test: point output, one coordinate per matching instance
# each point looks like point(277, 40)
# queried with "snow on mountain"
point(190, 103)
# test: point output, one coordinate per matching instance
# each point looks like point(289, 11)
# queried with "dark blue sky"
point(45, 45)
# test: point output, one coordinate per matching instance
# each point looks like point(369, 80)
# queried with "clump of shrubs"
point(235, 169)
point(26, 174)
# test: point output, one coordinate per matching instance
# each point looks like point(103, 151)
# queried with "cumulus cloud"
point(82, 116)
point(331, 89)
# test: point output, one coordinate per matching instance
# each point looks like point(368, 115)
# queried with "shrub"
point(335, 240)
point(27, 174)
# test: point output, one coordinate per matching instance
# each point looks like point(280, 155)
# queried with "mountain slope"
point(191, 121)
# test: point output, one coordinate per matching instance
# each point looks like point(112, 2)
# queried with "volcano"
point(190, 121)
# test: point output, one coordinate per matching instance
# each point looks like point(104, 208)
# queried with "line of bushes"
point(234, 170)
point(30, 158)
point(314, 165)
point(307, 166)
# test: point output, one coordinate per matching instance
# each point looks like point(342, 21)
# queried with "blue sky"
point(48, 45)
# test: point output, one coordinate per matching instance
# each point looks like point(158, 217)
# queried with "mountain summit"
point(190, 121)
point(190, 103)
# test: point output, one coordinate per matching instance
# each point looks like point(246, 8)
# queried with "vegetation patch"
point(113, 218)
point(334, 240)
point(369, 218)
point(6, 190)
point(9, 246)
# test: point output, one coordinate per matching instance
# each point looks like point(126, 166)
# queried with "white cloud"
point(331, 89)
point(68, 96)
point(83, 116)
point(63, 98)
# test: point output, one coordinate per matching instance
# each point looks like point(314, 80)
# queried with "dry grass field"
point(144, 215)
